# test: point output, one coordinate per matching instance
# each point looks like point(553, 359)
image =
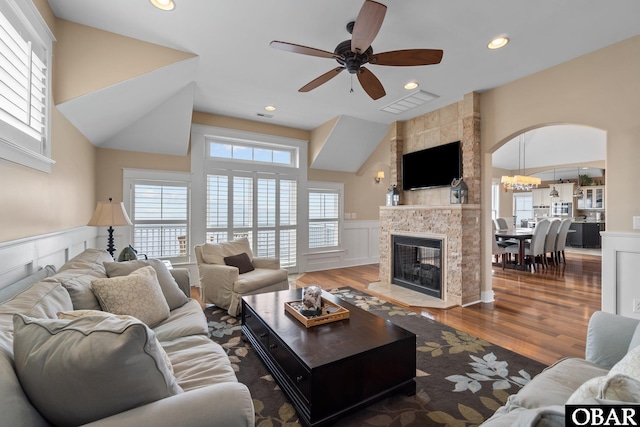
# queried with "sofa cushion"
point(199, 362)
point(73, 370)
point(558, 381)
point(240, 261)
point(186, 320)
point(214, 253)
point(616, 387)
point(76, 276)
point(15, 408)
point(25, 283)
point(43, 299)
point(137, 294)
point(170, 289)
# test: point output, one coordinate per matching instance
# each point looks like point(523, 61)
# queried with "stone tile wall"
point(429, 211)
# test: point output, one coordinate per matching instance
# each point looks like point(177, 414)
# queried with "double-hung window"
point(25, 58)
point(325, 205)
point(159, 210)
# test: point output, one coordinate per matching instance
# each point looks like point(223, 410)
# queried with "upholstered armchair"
point(229, 270)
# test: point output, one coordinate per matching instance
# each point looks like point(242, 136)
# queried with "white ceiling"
point(554, 147)
point(238, 73)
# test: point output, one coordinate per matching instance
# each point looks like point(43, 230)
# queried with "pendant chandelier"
point(554, 192)
point(521, 182)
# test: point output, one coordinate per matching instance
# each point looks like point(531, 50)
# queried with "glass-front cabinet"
point(593, 198)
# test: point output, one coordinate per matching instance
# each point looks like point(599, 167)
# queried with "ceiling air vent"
point(413, 100)
point(266, 116)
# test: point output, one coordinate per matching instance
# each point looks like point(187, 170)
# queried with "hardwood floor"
point(541, 315)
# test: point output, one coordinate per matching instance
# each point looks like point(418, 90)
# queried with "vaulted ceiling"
point(227, 67)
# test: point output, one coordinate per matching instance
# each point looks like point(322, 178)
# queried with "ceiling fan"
point(353, 54)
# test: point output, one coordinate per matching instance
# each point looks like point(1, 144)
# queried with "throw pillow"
point(77, 314)
point(629, 365)
point(138, 295)
point(616, 387)
point(74, 372)
point(241, 261)
point(214, 253)
point(170, 289)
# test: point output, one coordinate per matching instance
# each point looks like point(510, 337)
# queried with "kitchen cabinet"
point(565, 191)
point(593, 197)
point(541, 197)
point(585, 234)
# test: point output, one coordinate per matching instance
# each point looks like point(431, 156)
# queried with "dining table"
point(519, 234)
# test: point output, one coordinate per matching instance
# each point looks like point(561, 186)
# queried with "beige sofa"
point(224, 284)
point(609, 374)
point(103, 370)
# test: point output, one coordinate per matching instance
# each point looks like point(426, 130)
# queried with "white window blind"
point(263, 209)
point(324, 218)
point(160, 218)
point(24, 87)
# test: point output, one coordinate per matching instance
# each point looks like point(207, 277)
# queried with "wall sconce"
point(379, 176)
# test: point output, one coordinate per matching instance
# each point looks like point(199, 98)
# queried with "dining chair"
point(550, 241)
point(502, 223)
point(497, 249)
point(561, 241)
point(534, 249)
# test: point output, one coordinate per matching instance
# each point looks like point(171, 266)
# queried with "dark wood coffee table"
point(333, 369)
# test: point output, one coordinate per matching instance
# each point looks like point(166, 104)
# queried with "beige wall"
point(35, 202)
point(89, 59)
point(601, 90)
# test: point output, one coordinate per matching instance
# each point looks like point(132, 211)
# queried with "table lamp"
point(109, 214)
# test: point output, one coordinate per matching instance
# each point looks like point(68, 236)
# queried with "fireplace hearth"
point(417, 264)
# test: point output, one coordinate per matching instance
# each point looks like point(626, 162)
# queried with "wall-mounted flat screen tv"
point(432, 167)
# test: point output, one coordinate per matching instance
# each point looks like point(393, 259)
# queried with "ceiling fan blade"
point(408, 57)
point(296, 48)
point(367, 25)
point(370, 84)
point(321, 80)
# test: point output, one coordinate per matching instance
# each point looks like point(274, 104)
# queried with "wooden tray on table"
point(330, 313)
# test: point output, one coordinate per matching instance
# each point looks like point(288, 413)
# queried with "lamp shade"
point(110, 214)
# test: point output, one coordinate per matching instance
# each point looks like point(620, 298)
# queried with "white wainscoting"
point(620, 273)
point(360, 246)
point(19, 258)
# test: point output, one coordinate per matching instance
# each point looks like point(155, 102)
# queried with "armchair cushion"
point(241, 261)
point(214, 253)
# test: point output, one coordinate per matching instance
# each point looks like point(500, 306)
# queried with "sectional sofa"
point(66, 361)
point(609, 374)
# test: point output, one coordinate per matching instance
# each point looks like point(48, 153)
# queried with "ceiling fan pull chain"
point(351, 91)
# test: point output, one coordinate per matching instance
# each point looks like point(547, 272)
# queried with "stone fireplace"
point(428, 212)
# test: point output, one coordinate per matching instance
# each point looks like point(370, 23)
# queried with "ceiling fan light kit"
point(353, 54)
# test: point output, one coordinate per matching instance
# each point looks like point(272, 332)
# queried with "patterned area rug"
point(460, 380)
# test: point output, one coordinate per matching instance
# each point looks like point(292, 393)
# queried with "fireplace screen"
point(417, 264)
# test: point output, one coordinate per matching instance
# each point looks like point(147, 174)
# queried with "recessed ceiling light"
point(411, 85)
point(498, 42)
point(270, 108)
point(163, 4)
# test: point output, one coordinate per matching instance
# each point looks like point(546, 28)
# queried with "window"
point(522, 206)
point(324, 217)
point(495, 199)
point(159, 210)
point(234, 150)
point(25, 53)
point(259, 206)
